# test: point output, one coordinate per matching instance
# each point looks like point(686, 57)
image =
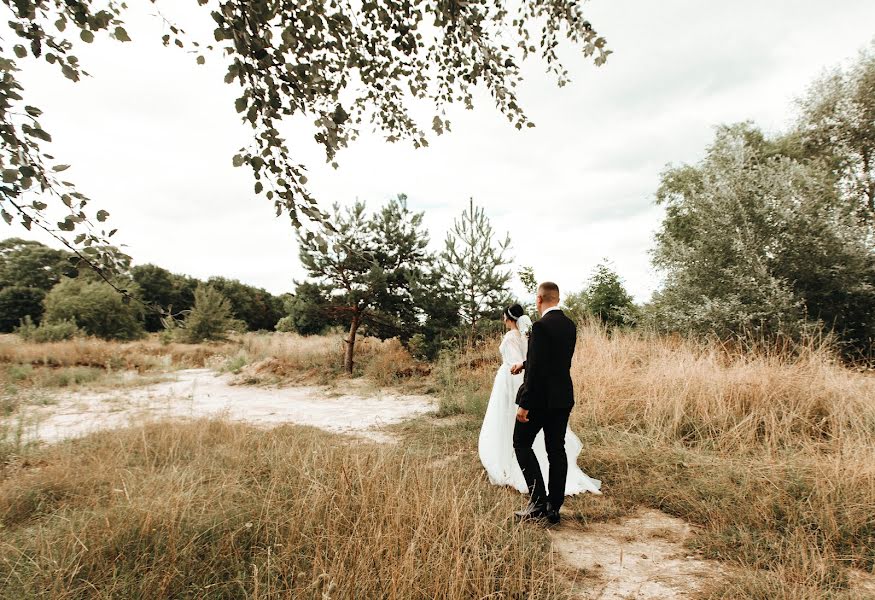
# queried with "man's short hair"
point(549, 291)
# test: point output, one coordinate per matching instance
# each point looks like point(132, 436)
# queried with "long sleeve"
point(513, 353)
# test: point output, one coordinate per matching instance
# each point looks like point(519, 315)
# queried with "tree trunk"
point(350, 342)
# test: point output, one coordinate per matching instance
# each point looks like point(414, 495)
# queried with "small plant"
point(48, 331)
point(210, 319)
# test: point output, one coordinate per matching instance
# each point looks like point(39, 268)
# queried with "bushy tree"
point(474, 262)
point(164, 294)
point(760, 243)
point(256, 307)
point(373, 267)
point(96, 308)
point(210, 319)
point(18, 302)
point(607, 298)
point(837, 124)
point(26, 263)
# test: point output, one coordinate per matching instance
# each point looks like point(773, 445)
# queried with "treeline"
point(42, 290)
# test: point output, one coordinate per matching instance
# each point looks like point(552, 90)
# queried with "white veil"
point(524, 323)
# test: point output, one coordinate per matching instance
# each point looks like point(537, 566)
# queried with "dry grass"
point(772, 456)
point(291, 358)
point(221, 511)
point(141, 356)
point(669, 390)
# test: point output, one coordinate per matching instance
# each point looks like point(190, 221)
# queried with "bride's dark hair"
point(514, 312)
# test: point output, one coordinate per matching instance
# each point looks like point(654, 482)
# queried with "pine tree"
point(475, 261)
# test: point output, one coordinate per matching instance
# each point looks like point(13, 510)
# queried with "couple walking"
point(525, 428)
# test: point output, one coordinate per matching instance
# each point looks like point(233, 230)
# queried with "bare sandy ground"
point(194, 393)
point(640, 557)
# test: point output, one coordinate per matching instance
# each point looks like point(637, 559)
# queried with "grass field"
point(772, 456)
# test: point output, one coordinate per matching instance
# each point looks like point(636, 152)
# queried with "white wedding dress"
point(496, 434)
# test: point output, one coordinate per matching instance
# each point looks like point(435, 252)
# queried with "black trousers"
point(553, 422)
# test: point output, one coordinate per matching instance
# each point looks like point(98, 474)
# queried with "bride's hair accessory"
point(514, 312)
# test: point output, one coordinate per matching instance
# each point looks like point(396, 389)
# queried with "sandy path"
point(640, 557)
point(196, 393)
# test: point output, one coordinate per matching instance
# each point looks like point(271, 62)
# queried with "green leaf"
point(39, 133)
point(201, 60)
point(240, 104)
point(67, 224)
point(237, 161)
point(10, 175)
point(59, 168)
point(102, 215)
point(121, 35)
point(6, 217)
point(20, 51)
point(86, 36)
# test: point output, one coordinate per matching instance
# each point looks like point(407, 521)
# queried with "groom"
point(544, 402)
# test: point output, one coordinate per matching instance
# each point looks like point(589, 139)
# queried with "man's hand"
point(516, 369)
point(522, 415)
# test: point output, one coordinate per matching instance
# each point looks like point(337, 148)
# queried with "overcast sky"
point(151, 136)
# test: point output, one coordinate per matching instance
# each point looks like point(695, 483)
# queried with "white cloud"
point(151, 137)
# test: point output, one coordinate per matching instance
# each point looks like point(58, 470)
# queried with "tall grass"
point(216, 510)
point(772, 454)
point(741, 402)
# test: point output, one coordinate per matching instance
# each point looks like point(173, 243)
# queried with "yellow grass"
point(773, 456)
point(211, 510)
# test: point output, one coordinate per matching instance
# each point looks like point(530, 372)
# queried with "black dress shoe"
point(552, 514)
point(532, 512)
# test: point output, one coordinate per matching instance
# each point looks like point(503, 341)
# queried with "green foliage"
point(376, 272)
point(17, 302)
point(527, 278)
point(308, 311)
point(256, 307)
point(474, 265)
point(335, 64)
point(26, 263)
point(606, 299)
point(48, 331)
point(163, 291)
point(211, 318)
point(576, 306)
point(837, 125)
point(96, 308)
point(755, 242)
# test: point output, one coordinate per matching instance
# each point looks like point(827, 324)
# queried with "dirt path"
point(196, 393)
point(642, 558)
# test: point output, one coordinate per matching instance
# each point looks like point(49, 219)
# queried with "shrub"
point(96, 308)
point(47, 331)
point(210, 319)
point(17, 302)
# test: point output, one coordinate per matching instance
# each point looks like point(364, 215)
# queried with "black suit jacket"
point(547, 381)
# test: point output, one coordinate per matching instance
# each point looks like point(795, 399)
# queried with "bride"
point(496, 434)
